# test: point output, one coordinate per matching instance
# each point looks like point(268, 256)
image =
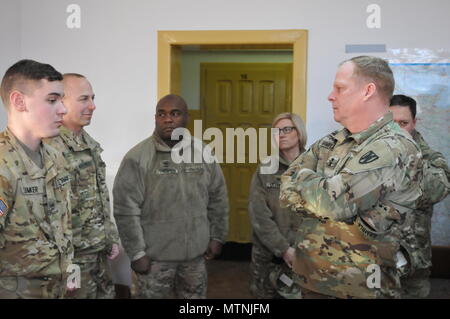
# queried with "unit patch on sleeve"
point(369, 157)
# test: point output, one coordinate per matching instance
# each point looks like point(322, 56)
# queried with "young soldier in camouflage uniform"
point(170, 216)
point(435, 186)
point(358, 187)
point(274, 228)
point(95, 236)
point(35, 231)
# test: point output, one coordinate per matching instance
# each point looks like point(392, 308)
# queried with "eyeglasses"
point(286, 129)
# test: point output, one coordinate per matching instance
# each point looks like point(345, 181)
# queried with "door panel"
point(243, 95)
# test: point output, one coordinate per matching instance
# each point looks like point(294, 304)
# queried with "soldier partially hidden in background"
point(435, 187)
point(95, 236)
point(274, 228)
point(171, 216)
point(35, 223)
point(358, 187)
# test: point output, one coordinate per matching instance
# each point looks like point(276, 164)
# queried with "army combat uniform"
point(94, 232)
point(435, 186)
point(359, 191)
point(35, 223)
point(274, 230)
point(169, 212)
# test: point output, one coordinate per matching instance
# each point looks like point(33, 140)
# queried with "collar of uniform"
point(91, 143)
point(342, 135)
point(417, 137)
point(32, 169)
point(375, 126)
point(75, 141)
point(160, 145)
point(284, 161)
point(196, 144)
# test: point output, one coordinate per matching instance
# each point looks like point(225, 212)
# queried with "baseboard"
point(441, 262)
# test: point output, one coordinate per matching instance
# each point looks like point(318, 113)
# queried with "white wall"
point(10, 36)
point(116, 47)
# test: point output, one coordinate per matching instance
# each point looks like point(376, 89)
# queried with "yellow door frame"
point(169, 55)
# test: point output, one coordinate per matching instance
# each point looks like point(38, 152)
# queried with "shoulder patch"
point(369, 157)
point(3, 207)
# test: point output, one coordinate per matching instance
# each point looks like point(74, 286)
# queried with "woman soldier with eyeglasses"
point(274, 227)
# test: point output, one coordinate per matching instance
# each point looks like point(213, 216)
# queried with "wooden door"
point(243, 95)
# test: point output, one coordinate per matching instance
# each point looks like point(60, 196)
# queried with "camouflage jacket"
point(273, 227)
point(169, 211)
point(93, 228)
point(435, 187)
point(359, 191)
point(35, 221)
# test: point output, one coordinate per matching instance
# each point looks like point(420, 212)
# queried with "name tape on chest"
point(61, 181)
point(30, 190)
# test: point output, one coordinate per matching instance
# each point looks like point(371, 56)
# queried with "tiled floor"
point(230, 280)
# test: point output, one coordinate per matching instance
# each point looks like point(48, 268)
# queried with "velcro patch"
point(369, 157)
point(85, 164)
point(3, 207)
point(61, 181)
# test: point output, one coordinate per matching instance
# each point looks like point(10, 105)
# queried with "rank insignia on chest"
point(332, 161)
point(3, 207)
point(369, 157)
point(165, 163)
point(165, 169)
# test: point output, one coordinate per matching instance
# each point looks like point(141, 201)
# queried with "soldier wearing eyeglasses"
point(274, 227)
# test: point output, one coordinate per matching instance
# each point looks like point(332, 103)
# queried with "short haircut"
point(299, 125)
point(173, 99)
point(403, 100)
point(376, 70)
point(25, 70)
point(75, 75)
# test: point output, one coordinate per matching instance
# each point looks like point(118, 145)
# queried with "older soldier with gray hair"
point(35, 222)
point(435, 186)
point(95, 236)
point(355, 190)
point(171, 216)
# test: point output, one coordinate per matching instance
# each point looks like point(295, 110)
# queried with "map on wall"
point(429, 85)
